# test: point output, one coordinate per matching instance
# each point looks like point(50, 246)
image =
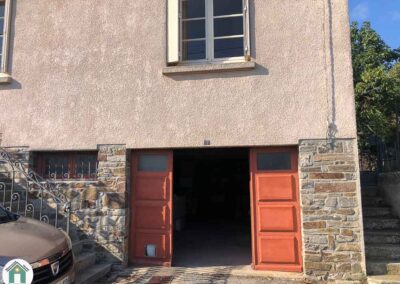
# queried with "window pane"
point(194, 50)
point(274, 161)
point(228, 26)
point(194, 29)
point(193, 9)
point(86, 166)
point(228, 7)
point(1, 26)
point(68, 165)
point(2, 5)
point(232, 47)
point(153, 163)
point(56, 166)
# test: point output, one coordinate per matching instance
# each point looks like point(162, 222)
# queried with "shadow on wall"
point(98, 218)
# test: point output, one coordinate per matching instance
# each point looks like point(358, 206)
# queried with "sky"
point(384, 16)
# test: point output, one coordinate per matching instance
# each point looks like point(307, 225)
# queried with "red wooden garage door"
point(275, 209)
point(151, 208)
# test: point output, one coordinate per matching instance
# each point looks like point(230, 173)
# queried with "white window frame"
point(209, 39)
point(6, 36)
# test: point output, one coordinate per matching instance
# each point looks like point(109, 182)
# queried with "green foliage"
point(377, 84)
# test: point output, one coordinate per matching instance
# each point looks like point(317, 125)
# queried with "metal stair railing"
point(24, 192)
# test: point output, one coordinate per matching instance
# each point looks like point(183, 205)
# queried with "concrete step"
point(383, 252)
point(382, 267)
point(83, 246)
point(369, 201)
point(382, 237)
point(77, 248)
point(377, 211)
point(92, 274)
point(374, 223)
point(376, 267)
point(384, 279)
point(393, 268)
point(84, 260)
point(370, 191)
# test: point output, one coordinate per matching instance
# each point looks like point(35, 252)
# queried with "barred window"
point(67, 165)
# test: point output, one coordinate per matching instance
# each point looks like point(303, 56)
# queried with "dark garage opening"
point(211, 204)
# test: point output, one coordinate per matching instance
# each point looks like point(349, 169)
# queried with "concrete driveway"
point(217, 274)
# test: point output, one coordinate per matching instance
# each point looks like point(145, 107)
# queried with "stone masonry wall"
point(330, 197)
point(333, 244)
point(99, 207)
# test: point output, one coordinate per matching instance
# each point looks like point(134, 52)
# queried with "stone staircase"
point(88, 269)
point(382, 238)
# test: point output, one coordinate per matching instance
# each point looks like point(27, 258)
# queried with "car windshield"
point(6, 216)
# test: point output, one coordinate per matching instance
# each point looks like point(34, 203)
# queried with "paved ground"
point(218, 275)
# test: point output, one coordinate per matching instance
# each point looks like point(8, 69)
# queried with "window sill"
point(208, 68)
point(5, 78)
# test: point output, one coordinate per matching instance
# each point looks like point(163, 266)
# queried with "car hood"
point(30, 240)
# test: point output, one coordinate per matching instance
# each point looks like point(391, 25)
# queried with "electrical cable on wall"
point(332, 129)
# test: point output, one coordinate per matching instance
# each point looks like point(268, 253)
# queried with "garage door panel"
point(150, 236)
point(275, 218)
point(276, 209)
point(278, 249)
point(152, 188)
point(145, 241)
point(152, 217)
point(276, 188)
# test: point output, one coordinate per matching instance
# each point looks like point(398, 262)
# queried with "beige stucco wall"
point(90, 72)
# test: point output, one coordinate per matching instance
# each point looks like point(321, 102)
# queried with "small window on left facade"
point(5, 14)
point(66, 165)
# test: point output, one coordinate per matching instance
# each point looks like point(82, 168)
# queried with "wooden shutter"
point(246, 14)
point(173, 31)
